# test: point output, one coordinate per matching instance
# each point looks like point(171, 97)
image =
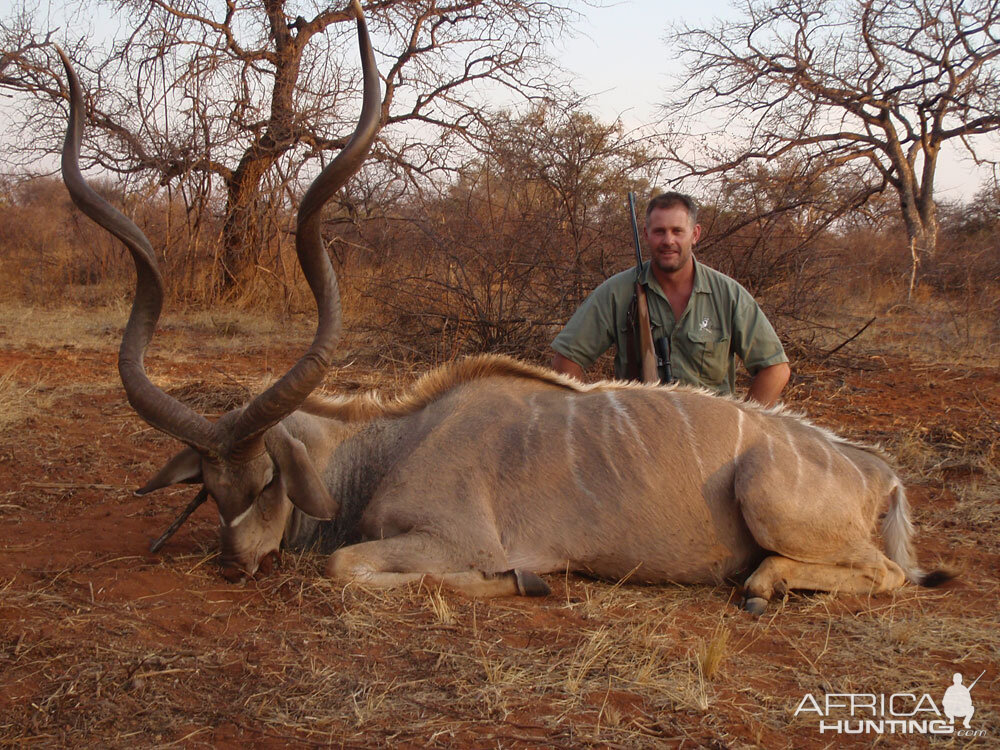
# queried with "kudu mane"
point(433, 385)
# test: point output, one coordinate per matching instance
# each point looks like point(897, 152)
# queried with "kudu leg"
point(777, 575)
point(415, 557)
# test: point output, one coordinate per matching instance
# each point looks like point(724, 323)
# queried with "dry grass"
point(103, 644)
point(368, 668)
point(930, 328)
point(27, 394)
point(713, 651)
point(101, 327)
point(13, 398)
point(24, 326)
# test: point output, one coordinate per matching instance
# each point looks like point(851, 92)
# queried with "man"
point(708, 318)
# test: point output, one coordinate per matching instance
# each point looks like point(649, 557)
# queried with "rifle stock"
point(647, 354)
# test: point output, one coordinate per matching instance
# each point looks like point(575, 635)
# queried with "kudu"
point(490, 471)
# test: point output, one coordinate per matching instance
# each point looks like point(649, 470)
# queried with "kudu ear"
point(302, 482)
point(184, 468)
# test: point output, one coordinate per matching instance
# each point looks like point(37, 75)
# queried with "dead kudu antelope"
point(490, 471)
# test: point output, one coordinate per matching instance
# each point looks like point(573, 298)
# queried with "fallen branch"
point(68, 486)
point(848, 341)
point(191, 508)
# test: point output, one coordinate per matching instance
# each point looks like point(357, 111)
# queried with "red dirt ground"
point(105, 644)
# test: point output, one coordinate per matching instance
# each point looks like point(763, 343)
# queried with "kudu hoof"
point(755, 605)
point(529, 584)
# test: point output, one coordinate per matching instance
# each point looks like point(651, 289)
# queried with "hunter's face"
point(670, 236)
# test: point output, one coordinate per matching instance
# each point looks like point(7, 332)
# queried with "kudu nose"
point(268, 563)
point(235, 573)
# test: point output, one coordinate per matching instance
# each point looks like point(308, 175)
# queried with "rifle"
point(648, 360)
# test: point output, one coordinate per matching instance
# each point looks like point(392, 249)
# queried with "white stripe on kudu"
point(572, 459)
point(739, 434)
point(798, 457)
point(623, 420)
point(238, 520)
point(691, 436)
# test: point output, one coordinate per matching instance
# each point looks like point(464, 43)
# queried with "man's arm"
point(767, 384)
point(566, 366)
point(587, 334)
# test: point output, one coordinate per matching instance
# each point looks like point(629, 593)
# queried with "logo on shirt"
point(706, 324)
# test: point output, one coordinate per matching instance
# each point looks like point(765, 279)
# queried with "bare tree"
point(509, 247)
point(772, 226)
point(875, 86)
point(243, 94)
point(563, 167)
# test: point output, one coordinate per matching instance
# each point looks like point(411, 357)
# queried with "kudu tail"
point(897, 534)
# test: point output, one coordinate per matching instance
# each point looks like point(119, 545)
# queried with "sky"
point(620, 55)
point(621, 59)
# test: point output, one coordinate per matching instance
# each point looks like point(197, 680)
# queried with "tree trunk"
point(923, 243)
point(920, 219)
point(243, 236)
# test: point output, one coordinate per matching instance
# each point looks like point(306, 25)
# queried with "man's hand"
point(767, 384)
point(566, 366)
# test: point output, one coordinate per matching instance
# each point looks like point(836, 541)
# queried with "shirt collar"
point(701, 279)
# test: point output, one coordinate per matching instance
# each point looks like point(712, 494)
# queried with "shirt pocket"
point(710, 354)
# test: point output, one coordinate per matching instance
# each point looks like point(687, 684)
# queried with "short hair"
point(669, 200)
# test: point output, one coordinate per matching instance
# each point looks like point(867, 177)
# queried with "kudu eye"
point(274, 478)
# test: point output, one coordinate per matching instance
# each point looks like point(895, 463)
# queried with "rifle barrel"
point(635, 231)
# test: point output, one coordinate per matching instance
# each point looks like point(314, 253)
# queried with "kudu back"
point(491, 471)
point(492, 465)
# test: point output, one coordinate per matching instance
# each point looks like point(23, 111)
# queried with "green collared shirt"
point(721, 322)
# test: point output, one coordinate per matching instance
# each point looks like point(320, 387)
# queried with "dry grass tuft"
point(439, 606)
point(593, 650)
point(713, 651)
point(26, 398)
point(13, 399)
point(101, 327)
point(67, 327)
